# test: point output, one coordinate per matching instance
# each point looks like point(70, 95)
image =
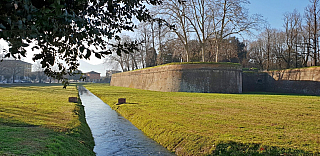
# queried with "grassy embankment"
point(221, 124)
point(39, 120)
point(183, 63)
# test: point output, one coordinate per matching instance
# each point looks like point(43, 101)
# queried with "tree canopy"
point(65, 31)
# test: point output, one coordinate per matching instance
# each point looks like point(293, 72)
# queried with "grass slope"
point(221, 124)
point(182, 63)
point(39, 120)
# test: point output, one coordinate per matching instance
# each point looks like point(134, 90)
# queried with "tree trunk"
point(202, 51)
point(315, 38)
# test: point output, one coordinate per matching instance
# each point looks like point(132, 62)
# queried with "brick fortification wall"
point(299, 81)
point(202, 78)
point(254, 81)
point(302, 74)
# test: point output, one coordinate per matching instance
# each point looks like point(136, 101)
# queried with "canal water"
point(113, 134)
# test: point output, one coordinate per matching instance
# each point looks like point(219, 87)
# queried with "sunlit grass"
point(202, 123)
point(46, 106)
point(39, 120)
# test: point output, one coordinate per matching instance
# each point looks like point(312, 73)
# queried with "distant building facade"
point(93, 76)
point(14, 70)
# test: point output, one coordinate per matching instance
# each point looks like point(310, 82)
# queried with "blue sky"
point(273, 10)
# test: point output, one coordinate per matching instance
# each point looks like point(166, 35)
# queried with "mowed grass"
point(39, 120)
point(221, 124)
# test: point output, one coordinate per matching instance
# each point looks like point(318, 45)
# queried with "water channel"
point(113, 134)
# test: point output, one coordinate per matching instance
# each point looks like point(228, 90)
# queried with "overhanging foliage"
point(68, 30)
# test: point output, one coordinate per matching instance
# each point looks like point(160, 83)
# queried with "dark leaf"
point(97, 55)
point(88, 54)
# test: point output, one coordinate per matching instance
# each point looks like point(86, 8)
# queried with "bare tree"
point(306, 34)
point(256, 54)
point(295, 46)
point(126, 61)
point(268, 45)
point(292, 25)
point(13, 69)
point(233, 18)
point(220, 19)
point(176, 12)
point(312, 15)
point(147, 50)
point(202, 12)
point(162, 30)
point(39, 71)
point(122, 61)
point(144, 38)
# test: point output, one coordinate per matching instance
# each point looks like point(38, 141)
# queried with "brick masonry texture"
point(201, 78)
point(299, 81)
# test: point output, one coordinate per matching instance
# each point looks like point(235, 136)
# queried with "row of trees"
point(296, 45)
point(205, 30)
point(232, 50)
point(191, 31)
point(211, 21)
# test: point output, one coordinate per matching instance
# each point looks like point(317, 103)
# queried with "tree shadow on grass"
point(18, 138)
point(244, 149)
point(15, 123)
point(31, 84)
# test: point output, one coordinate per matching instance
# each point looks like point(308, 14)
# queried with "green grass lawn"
point(221, 124)
point(39, 120)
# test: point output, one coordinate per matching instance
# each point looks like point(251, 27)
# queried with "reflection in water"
point(113, 134)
